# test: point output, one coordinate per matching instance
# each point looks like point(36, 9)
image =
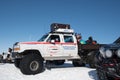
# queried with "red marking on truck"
point(53, 49)
point(48, 43)
point(35, 43)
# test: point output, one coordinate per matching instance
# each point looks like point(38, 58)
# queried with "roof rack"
point(56, 26)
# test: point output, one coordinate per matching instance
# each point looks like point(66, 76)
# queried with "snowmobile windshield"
point(43, 38)
point(117, 41)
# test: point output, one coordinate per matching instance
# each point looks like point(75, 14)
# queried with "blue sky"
point(28, 20)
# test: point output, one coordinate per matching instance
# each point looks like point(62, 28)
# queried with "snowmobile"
point(107, 61)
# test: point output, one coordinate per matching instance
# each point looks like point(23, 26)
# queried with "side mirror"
point(52, 41)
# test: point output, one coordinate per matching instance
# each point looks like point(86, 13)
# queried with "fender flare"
point(26, 52)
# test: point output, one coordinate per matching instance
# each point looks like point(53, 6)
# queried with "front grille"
point(16, 55)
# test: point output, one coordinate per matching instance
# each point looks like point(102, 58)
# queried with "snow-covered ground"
point(65, 72)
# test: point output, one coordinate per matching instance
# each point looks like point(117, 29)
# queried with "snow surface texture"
point(65, 72)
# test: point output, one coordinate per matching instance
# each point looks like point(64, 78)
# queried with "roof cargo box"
point(56, 26)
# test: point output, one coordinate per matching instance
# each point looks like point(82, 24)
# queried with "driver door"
point(53, 47)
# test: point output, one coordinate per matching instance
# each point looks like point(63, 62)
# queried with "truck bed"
point(89, 46)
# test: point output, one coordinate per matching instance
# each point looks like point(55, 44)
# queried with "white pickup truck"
point(58, 45)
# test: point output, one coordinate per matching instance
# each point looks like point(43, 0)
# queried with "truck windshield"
point(43, 38)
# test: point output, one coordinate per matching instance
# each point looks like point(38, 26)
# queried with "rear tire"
point(78, 63)
point(31, 64)
point(91, 59)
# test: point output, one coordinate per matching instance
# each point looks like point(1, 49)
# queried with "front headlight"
point(118, 53)
point(16, 48)
point(108, 53)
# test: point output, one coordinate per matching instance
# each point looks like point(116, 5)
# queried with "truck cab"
point(59, 45)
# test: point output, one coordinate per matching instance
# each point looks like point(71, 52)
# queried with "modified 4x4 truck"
point(58, 45)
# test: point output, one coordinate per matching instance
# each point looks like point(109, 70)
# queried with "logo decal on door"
point(53, 49)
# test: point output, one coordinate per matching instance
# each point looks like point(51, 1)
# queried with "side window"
point(68, 39)
point(54, 37)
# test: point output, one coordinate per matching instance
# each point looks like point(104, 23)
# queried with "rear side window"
point(68, 39)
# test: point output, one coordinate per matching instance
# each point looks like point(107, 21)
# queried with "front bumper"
point(16, 55)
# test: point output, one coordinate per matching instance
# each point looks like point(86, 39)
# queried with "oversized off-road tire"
point(78, 63)
point(31, 64)
point(59, 62)
point(91, 59)
point(17, 63)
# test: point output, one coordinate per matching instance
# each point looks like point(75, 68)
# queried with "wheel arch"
point(33, 51)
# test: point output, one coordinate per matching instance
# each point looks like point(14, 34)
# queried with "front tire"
point(31, 64)
point(17, 63)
